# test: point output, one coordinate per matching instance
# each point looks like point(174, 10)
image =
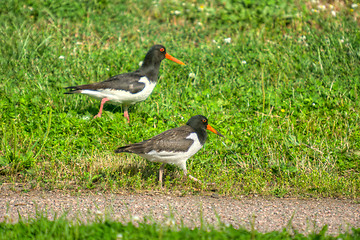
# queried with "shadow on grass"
point(147, 172)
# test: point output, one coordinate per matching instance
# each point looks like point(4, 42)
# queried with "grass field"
point(279, 79)
point(42, 228)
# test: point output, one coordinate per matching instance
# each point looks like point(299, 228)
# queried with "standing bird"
point(128, 88)
point(174, 146)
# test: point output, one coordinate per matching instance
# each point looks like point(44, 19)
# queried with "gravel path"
point(264, 215)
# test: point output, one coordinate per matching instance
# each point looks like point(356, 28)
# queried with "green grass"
point(290, 114)
point(61, 228)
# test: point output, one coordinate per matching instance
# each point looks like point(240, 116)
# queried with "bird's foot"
point(199, 181)
point(97, 115)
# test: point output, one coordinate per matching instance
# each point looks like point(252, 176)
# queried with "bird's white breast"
point(120, 96)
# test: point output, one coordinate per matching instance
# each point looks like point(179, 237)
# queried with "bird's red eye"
point(204, 120)
point(162, 50)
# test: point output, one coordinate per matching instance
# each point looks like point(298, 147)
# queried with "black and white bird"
point(174, 146)
point(128, 88)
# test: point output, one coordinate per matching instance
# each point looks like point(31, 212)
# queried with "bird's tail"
point(137, 148)
point(73, 89)
point(122, 149)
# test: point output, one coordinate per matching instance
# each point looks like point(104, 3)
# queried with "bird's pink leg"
point(126, 113)
point(103, 101)
point(161, 171)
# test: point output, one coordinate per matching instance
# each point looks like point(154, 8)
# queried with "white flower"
point(170, 222)
point(78, 43)
point(141, 63)
point(199, 23)
point(321, 7)
point(331, 6)
point(302, 38)
point(119, 236)
point(218, 47)
point(342, 40)
point(192, 75)
point(62, 57)
point(314, 10)
point(98, 212)
point(107, 69)
point(214, 41)
point(313, 104)
point(177, 12)
point(354, 5)
point(135, 218)
point(333, 13)
point(243, 62)
point(227, 40)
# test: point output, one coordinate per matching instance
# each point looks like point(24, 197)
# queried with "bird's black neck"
point(151, 71)
point(202, 135)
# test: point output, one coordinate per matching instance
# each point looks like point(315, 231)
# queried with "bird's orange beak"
point(168, 56)
point(210, 128)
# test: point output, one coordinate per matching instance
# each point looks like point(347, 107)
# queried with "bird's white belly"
point(121, 96)
point(176, 158)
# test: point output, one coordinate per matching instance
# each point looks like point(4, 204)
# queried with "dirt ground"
point(262, 214)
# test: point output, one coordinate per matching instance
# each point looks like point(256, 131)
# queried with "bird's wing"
point(127, 82)
point(173, 140)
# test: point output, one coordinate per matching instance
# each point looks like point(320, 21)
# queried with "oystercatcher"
point(128, 88)
point(174, 146)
